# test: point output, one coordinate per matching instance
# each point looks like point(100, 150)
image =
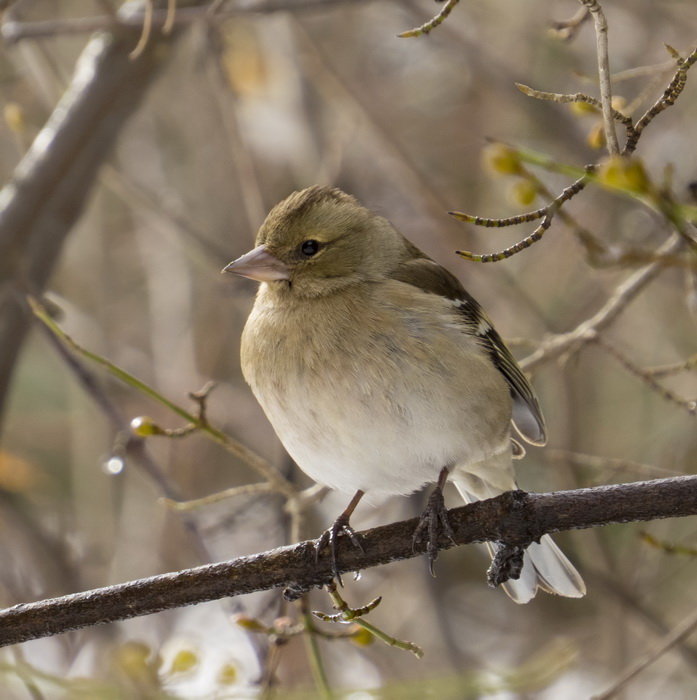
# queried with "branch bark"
point(515, 518)
point(51, 184)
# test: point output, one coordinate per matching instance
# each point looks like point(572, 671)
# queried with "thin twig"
point(233, 492)
point(666, 207)
point(132, 447)
point(13, 31)
point(624, 293)
point(526, 242)
point(668, 547)
point(525, 218)
point(347, 614)
point(670, 94)
point(564, 98)
point(674, 368)
point(568, 28)
point(690, 405)
point(600, 24)
point(676, 635)
point(314, 656)
point(434, 22)
point(605, 465)
point(548, 212)
point(642, 71)
point(266, 470)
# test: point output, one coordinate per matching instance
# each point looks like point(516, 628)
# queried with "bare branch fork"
point(610, 115)
point(515, 518)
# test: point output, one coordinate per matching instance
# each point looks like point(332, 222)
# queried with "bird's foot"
point(434, 522)
point(330, 536)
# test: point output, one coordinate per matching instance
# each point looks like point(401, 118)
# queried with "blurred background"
point(246, 107)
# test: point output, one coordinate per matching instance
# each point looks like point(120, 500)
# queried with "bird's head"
point(320, 240)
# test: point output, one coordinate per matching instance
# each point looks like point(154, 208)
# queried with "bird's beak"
point(259, 265)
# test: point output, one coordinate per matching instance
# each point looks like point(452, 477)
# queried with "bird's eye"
point(309, 248)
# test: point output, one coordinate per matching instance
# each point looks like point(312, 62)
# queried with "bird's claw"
point(434, 521)
point(330, 536)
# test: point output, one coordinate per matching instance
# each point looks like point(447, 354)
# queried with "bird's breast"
point(364, 394)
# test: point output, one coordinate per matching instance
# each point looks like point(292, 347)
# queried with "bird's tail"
point(544, 565)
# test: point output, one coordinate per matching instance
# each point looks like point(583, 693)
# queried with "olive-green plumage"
point(377, 369)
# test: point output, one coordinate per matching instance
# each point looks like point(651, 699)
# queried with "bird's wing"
point(429, 276)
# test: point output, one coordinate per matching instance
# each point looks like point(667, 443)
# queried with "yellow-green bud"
point(249, 623)
point(618, 102)
point(361, 637)
point(501, 159)
point(523, 193)
point(580, 109)
point(624, 174)
point(596, 137)
point(14, 117)
point(144, 426)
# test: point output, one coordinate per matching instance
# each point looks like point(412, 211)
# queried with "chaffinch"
point(381, 374)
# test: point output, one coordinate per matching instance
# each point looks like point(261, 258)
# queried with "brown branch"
point(432, 23)
point(600, 24)
point(50, 186)
point(624, 293)
point(667, 99)
point(568, 28)
point(681, 631)
point(690, 405)
point(524, 243)
point(163, 20)
point(595, 249)
point(515, 518)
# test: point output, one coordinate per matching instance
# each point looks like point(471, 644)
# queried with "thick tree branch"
point(51, 184)
point(516, 518)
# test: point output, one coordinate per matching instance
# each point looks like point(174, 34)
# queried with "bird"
point(381, 374)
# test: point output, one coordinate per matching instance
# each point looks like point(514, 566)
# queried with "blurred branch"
point(667, 99)
point(668, 547)
point(676, 635)
point(158, 20)
point(600, 24)
point(690, 405)
point(434, 22)
point(631, 600)
point(623, 119)
point(674, 368)
point(51, 184)
point(348, 614)
point(514, 518)
point(513, 158)
point(133, 446)
point(599, 463)
point(338, 90)
point(545, 213)
point(554, 346)
point(145, 427)
point(568, 28)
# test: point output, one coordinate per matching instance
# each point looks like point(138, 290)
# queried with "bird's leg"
point(339, 527)
point(434, 520)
